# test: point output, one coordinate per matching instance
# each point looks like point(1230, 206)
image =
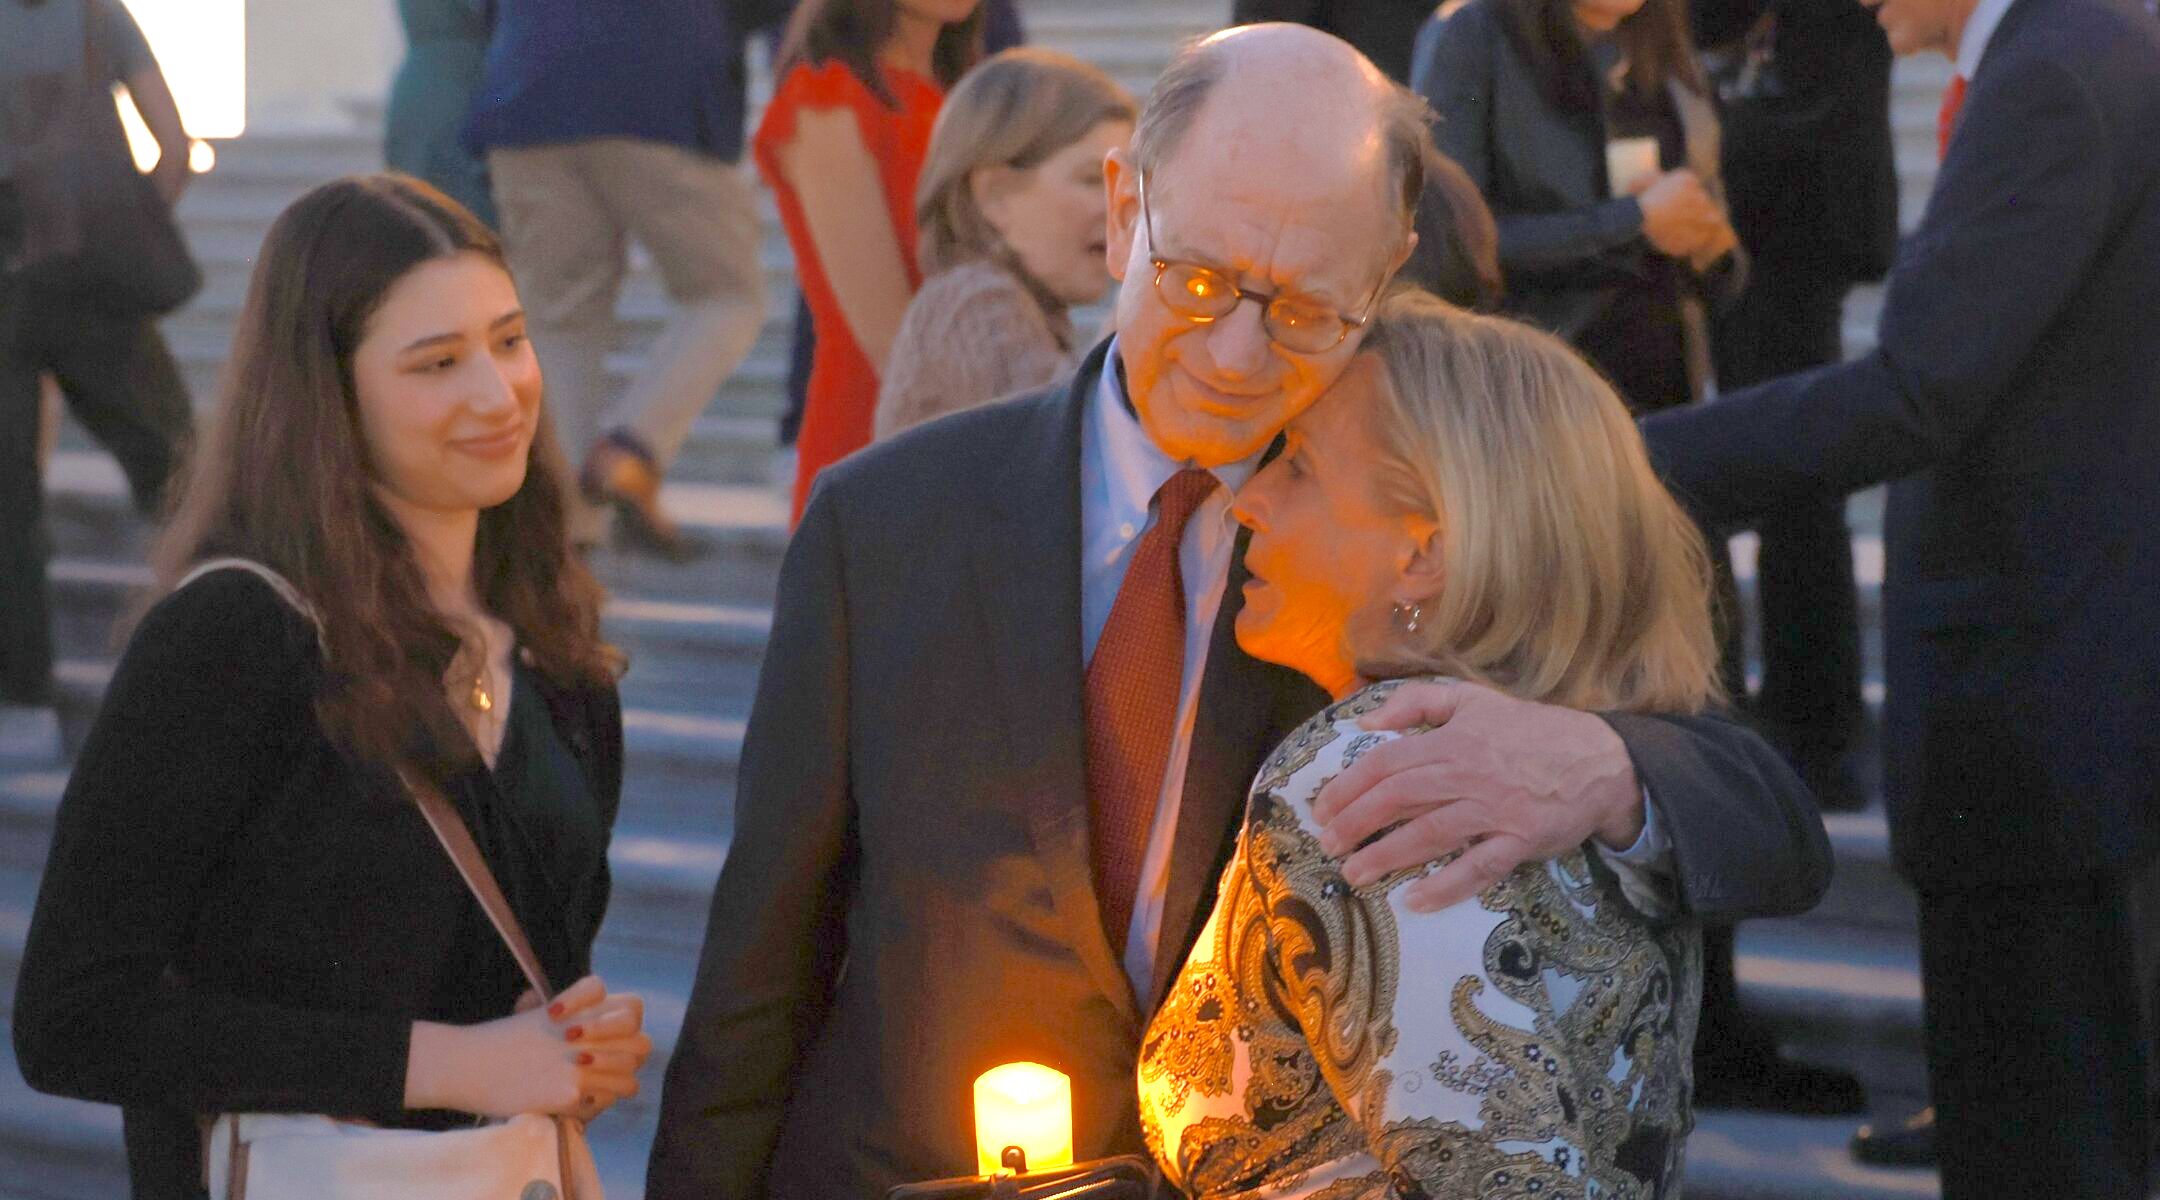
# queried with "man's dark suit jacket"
point(2015, 397)
point(1382, 30)
point(907, 901)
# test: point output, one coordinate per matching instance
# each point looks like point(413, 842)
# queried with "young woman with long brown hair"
point(244, 909)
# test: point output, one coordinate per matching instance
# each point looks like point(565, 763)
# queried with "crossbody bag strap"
point(572, 1160)
point(458, 843)
point(269, 575)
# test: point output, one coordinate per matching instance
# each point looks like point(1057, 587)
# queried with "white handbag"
point(307, 1156)
point(288, 1156)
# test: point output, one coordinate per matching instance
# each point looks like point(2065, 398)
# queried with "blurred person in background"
point(597, 132)
point(446, 44)
point(1009, 216)
point(842, 144)
point(1805, 86)
point(1458, 248)
point(1534, 100)
point(1002, 30)
point(1593, 135)
point(1812, 185)
point(244, 908)
point(1382, 30)
point(59, 60)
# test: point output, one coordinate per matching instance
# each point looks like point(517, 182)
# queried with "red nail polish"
point(584, 1060)
point(574, 1033)
point(556, 1009)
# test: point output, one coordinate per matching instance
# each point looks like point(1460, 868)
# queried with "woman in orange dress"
point(841, 144)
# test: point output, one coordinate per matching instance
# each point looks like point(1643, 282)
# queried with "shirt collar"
point(1979, 30)
point(1134, 468)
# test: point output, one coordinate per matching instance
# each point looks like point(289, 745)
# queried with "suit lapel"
point(1027, 567)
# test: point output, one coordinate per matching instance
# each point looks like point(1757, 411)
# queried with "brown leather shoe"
point(620, 472)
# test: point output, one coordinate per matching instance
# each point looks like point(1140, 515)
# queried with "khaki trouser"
point(566, 212)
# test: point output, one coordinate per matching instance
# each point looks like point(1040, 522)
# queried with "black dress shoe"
point(1911, 1144)
point(1770, 1082)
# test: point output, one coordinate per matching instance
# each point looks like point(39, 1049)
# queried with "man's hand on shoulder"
point(1514, 781)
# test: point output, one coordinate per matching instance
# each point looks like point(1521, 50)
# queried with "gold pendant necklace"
point(480, 697)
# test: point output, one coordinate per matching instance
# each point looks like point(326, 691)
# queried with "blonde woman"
point(1009, 213)
point(1470, 500)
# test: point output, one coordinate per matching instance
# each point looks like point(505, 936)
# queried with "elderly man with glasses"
point(1003, 730)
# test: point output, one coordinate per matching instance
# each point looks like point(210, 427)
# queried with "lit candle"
point(1026, 1105)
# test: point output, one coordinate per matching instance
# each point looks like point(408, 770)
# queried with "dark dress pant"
point(1785, 320)
point(121, 383)
point(2039, 1036)
point(1788, 320)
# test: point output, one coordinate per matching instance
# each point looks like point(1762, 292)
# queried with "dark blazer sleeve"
point(2018, 214)
point(775, 941)
point(208, 707)
point(1457, 75)
point(1747, 838)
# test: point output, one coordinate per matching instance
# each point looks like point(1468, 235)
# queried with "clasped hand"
point(575, 1057)
point(1682, 220)
point(1506, 781)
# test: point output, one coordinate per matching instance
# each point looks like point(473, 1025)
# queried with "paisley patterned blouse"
point(1326, 1041)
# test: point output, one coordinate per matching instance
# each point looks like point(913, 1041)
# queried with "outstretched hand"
point(1506, 781)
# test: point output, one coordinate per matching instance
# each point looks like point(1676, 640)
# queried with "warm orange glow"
point(1026, 1105)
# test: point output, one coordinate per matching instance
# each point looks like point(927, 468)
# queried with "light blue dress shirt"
point(1120, 471)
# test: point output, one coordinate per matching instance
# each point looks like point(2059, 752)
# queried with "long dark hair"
point(283, 478)
point(1654, 38)
point(854, 31)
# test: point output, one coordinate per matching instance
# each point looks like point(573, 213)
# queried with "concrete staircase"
point(1840, 983)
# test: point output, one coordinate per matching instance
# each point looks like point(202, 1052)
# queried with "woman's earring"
point(1409, 615)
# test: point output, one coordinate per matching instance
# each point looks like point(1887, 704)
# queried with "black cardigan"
point(235, 916)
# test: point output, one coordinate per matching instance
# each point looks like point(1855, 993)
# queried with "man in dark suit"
point(1003, 731)
point(2014, 398)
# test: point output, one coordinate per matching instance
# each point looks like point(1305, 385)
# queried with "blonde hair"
point(1016, 109)
point(1571, 575)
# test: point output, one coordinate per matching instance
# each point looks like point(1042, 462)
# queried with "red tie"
point(1946, 120)
point(1132, 701)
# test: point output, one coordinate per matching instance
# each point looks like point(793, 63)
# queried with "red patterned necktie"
point(1946, 120)
point(1132, 701)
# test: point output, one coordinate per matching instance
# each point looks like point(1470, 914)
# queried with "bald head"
point(1307, 96)
point(1281, 163)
